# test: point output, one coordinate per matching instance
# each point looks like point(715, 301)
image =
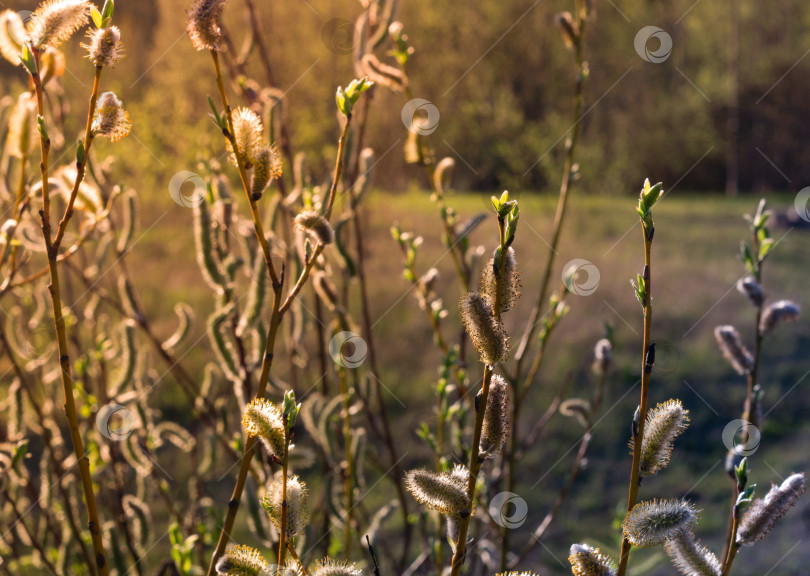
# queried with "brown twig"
point(93, 523)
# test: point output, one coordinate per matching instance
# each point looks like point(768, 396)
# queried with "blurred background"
point(721, 118)
point(501, 79)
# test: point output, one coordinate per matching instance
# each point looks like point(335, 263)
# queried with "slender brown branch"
point(80, 166)
point(282, 531)
point(559, 219)
point(646, 372)
point(93, 523)
point(749, 414)
point(733, 546)
point(254, 210)
point(562, 201)
point(475, 456)
point(275, 316)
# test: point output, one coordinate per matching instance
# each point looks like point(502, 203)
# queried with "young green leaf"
point(98, 19)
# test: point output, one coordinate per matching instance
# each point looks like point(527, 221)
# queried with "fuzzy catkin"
point(497, 424)
point(207, 256)
point(264, 419)
point(184, 314)
point(577, 408)
point(268, 167)
point(690, 557)
point(761, 516)
point(256, 295)
point(510, 283)
point(241, 561)
point(445, 492)
point(22, 126)
point(664, 424)
point(453, 529)
point(730, 343)
point(247, 136)
point(12, 35)
point(653, 522)
point(588, 561)
point(484, 328)
point(316, 227)
point(325, 290)
point(52, 64)
point(297, 505)
point(603, 355)
point(202, 24)
point(778, 313)
point(105, 47)
point(568, 28)
point(111, 120)
point(56, 21)
point(329, 567)
point(751, 289)
point(127, 355)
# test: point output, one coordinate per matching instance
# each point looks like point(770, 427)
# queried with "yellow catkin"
point(56, 21)
point(588, 561)
point(297, 505)
point(202, 24)
point(241, 561)
point(264, 419)
point(104, 47)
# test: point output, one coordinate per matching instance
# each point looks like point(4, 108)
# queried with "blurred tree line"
point(499, 76)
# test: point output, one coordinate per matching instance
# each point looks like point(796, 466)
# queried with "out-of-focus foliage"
point(499, 76)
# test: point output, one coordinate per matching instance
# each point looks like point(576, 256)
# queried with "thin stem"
point(439, 339)
point(275, 316)
point(749, 413)
point(250, 443)
point(559, 219)
point(475, 467)
point(732, 550)
point(729, 538)
point(348, 478)
point(80, 166)
point(646, 372)
point(338, 167)
point(475, 459)
point(93, 524)
point(254, 209)
point(282, 538)
point(562, 201)
point(294, 555)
